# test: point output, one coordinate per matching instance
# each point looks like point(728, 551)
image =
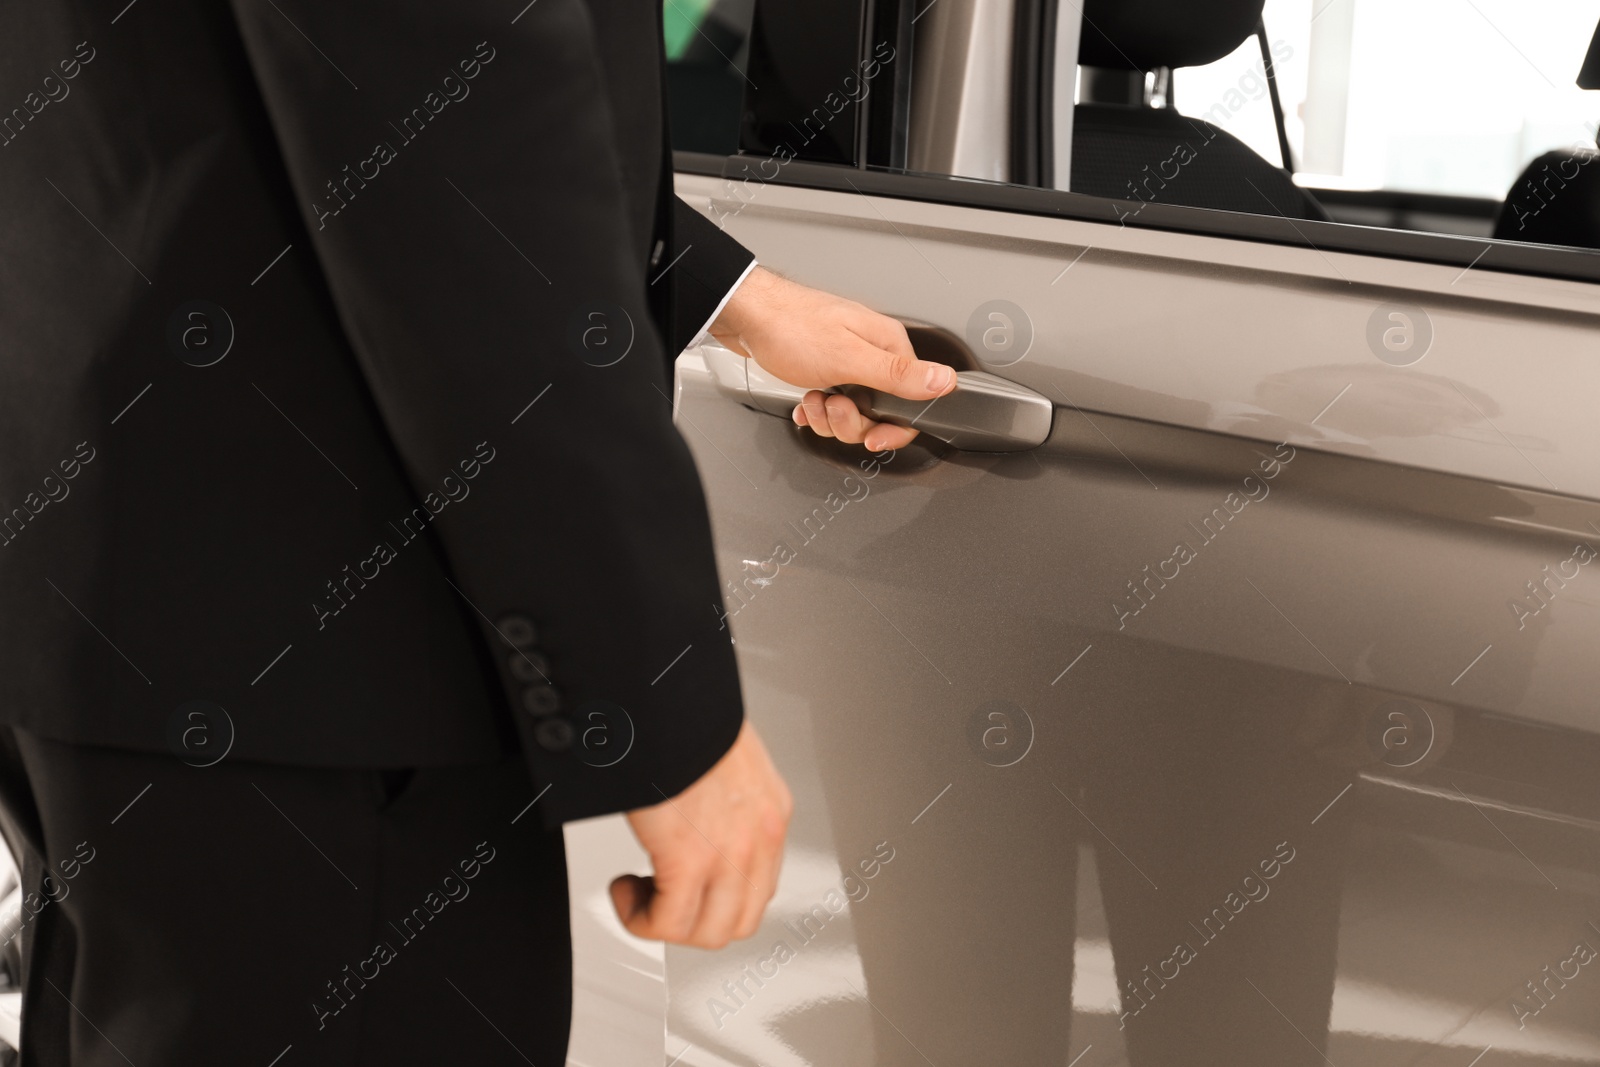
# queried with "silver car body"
point(1281, 648)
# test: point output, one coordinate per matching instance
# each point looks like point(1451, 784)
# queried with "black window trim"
point(1420, 201)
point(1480, 253)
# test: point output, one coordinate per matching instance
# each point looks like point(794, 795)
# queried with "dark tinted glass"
point(707, 45)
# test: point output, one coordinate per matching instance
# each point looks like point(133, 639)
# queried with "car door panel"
point(1084, 747)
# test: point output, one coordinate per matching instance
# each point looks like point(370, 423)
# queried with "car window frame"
point(878, 130)
point(1477, 253)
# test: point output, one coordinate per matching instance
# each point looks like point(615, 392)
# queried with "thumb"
point(630, 895)
point(902, 374)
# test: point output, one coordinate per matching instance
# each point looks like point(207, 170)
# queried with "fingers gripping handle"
point(983, 413)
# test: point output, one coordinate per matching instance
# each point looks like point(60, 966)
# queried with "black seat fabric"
point(1556, 199)
point(1146, 34)
point(1156, 155)
point(1159, 156)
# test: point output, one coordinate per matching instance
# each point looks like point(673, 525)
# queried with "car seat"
point(1556, 199)
point(1154, 154)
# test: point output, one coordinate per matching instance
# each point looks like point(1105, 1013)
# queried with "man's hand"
point(817, 340)
point(716, 849)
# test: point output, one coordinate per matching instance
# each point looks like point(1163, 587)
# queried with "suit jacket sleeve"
point(464, 205)
point(707, 266)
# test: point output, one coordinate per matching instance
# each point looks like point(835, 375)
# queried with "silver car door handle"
point(984, 413)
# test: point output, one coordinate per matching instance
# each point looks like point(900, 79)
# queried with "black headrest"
point(1146, 34)
point(1589, 76)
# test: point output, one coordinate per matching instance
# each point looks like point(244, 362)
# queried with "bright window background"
point(1443, 96)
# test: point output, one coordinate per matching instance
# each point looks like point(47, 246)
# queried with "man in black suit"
point(347, 546)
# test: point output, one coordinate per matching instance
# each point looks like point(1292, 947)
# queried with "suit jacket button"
point(529, 666)
point(541, 699)
point(554, 735)
point(518, 629)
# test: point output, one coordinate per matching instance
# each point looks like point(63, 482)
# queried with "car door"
point(1249, 717)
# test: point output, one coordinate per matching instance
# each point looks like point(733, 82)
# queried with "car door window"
point(1399, 96)
point(707, 45)
point(1397, 115)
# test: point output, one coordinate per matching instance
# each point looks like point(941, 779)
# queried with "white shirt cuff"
point(705, 329)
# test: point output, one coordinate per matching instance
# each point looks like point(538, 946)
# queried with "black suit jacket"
point(335, 419)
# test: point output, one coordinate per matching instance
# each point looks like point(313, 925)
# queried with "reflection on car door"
point(1250, 719)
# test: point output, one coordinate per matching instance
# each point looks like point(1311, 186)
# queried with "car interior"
point(1131, 141)
point(1532, 211)
point(1124, 147)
